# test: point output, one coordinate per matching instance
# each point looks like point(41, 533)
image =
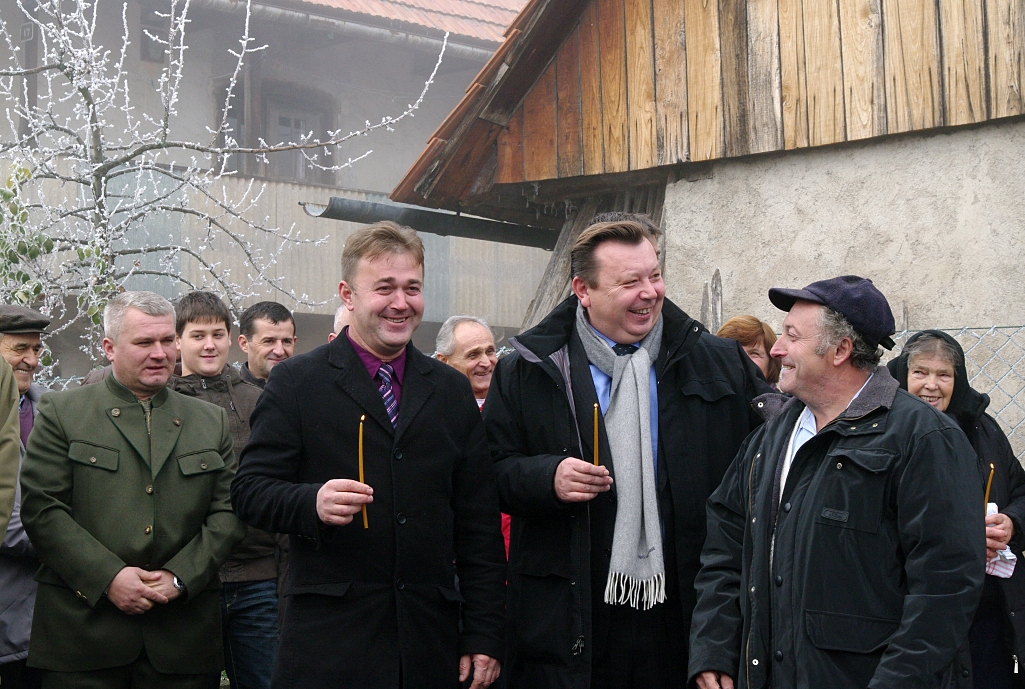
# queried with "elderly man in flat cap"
point(846, 543)
point(21, 329)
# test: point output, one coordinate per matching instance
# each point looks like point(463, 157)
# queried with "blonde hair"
point(375, 240)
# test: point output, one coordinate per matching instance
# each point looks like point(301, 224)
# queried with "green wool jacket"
point(100, 492)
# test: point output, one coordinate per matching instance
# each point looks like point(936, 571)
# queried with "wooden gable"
point(634, 85)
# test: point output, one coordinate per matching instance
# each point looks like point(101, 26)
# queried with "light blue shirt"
point(603, 386)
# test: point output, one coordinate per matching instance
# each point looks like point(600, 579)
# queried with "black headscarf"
point(966, 403)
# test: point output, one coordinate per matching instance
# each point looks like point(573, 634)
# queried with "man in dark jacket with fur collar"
point(846, 543)
point(605, 543)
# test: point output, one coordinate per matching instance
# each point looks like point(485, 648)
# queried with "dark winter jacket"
point(879, 549)
point(18, 567)
point(248, 376)
point(538, 412)
point(365, 605)
point(968, 407)
point(255, 558)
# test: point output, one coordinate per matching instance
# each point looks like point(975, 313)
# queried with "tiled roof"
point(480, 19)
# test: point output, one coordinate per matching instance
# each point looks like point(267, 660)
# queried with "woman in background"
point(757, 339)
point(931, 367)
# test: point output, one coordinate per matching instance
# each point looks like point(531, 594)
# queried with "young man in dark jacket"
point(249, 601)
point(601, 573)
point(846, 543)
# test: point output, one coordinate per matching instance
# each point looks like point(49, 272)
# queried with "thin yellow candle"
point(596, 434)
point(366, 524)
point(989, 483)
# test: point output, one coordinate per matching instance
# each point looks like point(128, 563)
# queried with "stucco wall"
point(936, 221)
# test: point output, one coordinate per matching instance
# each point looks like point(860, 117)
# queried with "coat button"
point(778, 656)
point(752, 589)
point(203, 466)
point(854, 428)
point(400, 518)
point(786, 507)
point(80, 595)
point(754, 519)
point(397, 454)
point(177, 422)
point(149, 490)
point(761, 404)
point(115, 412)
point(779, 580)
point(148, 530)
point(839, 465)
point(92, 460)
point(965, 673)
point(874, 425)
point(399, 584)
point(754, 661)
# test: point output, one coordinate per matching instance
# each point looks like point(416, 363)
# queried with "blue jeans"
point(249, 621)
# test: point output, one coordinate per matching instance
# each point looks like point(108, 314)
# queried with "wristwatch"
point(179, 584)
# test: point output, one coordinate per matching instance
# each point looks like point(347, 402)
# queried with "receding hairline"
point(381, 253)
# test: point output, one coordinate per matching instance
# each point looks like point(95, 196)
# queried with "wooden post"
point(715, 303)
point(555, 283)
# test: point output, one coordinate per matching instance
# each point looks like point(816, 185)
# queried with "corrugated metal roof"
point(480, 19)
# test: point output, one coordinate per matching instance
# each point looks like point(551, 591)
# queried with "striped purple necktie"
point(384, 386)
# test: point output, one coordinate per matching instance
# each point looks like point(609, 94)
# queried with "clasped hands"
point(135, 590)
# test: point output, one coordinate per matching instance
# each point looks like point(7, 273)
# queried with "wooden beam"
point(612, 42)
point(539, 127)
point(793, 73)
point(733, 43)
point(555, 282)
point(510, 151)
point(704, 79)
point(864, 78)
point(764, 90)
point(826, 118)
point(567, 77)
point(590, 92)
point(912, 65)
point(640, 84)
point(964, 62)
point(671, 141)
point(1005, 30)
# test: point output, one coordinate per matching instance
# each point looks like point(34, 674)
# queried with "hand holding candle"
point(366, 524)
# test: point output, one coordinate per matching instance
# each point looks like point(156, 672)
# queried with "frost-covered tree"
point(91, 172)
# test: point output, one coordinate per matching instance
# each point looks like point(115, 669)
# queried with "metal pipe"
point(347, 29)
point(431, 221)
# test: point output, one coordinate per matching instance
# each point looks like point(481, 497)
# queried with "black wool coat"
point(559, 553)
point(364, 605)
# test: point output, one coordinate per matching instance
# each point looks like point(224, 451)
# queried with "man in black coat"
point(367, 424)
point(581, 614)
point(846, 543)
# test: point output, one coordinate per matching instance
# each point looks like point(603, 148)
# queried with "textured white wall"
point(935, 220)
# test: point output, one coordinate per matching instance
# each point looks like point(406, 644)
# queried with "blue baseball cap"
point(855, 298)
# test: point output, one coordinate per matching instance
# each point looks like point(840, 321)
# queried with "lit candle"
point(989, 483)
point(366, 524)
point(596, 434)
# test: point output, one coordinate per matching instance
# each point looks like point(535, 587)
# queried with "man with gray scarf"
point(606, 542)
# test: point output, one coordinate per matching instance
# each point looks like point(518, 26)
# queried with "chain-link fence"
point(995, 359)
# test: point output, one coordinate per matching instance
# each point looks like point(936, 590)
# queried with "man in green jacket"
point(10, 441)
point(125, 498)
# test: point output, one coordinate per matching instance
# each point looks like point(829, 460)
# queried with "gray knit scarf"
point(637, 574)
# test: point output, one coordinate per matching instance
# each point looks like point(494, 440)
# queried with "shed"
point(777, 141)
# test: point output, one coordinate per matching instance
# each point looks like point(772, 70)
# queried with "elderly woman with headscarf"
point(932, 368)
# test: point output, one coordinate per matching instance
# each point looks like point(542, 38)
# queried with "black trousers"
point(638, 654)
point(16, 675)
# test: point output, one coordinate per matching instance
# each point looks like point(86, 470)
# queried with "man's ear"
point(844, 350)
point(442, 358)
point(243, 343)
point(345, 294)
point(582, 291)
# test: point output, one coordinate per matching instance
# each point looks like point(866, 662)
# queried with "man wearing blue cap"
point(845, 544)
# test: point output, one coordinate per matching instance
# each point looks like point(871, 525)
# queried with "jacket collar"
point(248, 376)
point(115, 386)
point(879, 393)
point(680, 332)
point(167, 419)
point(351, 375)
point(228, 377)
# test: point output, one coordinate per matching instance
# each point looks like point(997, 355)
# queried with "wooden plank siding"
point(639, 84)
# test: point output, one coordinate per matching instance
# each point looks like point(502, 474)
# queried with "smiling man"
point(846, 543)
point(267, 336)
point(466, 344)
point(601, 573)
point(125, 488)
point(369, 422)
point(248, 596)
